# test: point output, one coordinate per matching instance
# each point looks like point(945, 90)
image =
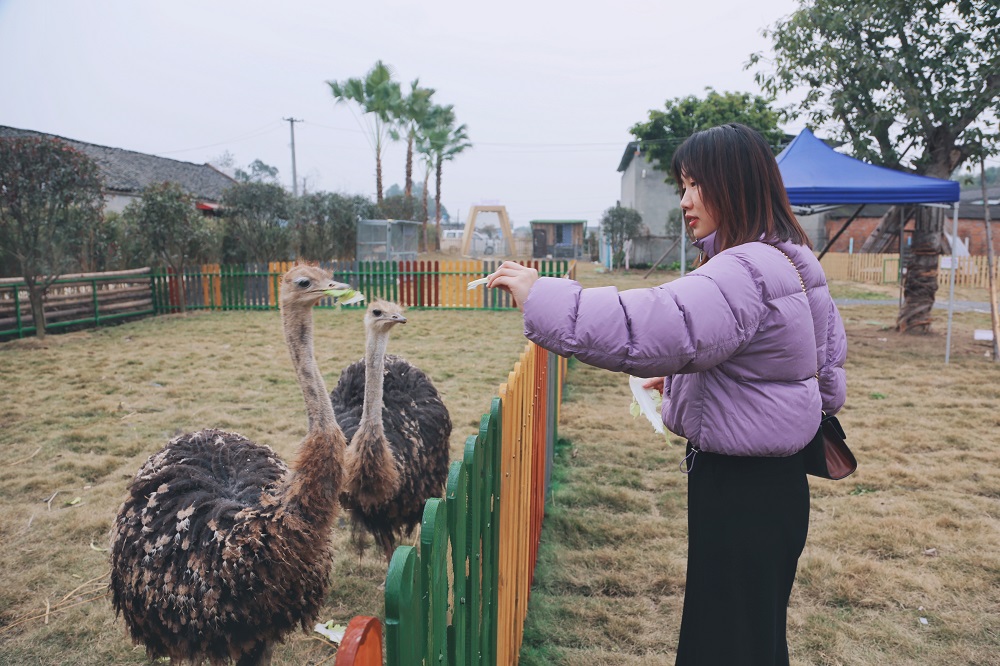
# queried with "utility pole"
point(990, 264)
point(295, 177)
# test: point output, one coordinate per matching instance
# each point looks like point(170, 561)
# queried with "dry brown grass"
point(82, 411)
point(914, 534)
point(96, 404)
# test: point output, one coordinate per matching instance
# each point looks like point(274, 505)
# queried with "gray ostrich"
point(399, 430)
point(220, 550)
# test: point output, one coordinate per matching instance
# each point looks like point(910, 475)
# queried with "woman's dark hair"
point(740, 185)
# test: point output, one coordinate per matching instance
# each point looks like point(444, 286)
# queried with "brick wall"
point(862, 227)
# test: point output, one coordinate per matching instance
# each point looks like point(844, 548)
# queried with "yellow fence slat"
point(211, 285)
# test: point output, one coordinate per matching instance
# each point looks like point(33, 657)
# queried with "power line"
point(270, 127)
point(331, 127)
point(545, 145)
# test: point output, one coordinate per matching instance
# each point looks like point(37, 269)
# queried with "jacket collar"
point(708, 245)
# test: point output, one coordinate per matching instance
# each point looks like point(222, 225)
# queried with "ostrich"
point(220, 550)
point(399, 430)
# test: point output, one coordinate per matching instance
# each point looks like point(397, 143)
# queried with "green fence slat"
point(97, 308)
point(404, 638)
point(393, 281)
point(224, 287)
point(434, 581)
point(474, 459)
point(459, 526)
point(152, 291)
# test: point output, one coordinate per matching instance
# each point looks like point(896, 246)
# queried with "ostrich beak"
point(398, 319)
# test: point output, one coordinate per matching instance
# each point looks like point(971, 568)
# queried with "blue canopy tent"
point(816, 175)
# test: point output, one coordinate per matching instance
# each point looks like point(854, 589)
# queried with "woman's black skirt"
point(747, 524)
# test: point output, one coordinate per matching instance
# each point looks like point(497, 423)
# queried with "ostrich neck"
point(312, 488)
point(298, 326)
point(371, 414)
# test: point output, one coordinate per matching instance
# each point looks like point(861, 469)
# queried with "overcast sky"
point(548, 90)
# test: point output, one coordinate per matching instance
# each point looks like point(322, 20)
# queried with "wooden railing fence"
point(77, 300)
point(461, 598)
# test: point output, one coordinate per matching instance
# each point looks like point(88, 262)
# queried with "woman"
point(748, 350)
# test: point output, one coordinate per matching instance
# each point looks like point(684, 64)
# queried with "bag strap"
point(802, 282)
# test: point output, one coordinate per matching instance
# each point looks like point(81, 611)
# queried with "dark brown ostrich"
point(399, 430)
point(220, 550)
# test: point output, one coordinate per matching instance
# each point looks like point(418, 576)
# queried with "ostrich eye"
point(302, 281)
point(377, 313)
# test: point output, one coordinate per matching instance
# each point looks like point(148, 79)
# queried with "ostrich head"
point(303, 286)
point(382, 316)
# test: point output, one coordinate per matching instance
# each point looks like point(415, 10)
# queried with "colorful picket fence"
point(414, 284)
point(461, 598)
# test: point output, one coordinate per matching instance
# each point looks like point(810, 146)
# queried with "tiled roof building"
point(127, 173)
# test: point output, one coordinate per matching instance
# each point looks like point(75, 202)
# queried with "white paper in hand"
point(475, 283)
point(646, 399)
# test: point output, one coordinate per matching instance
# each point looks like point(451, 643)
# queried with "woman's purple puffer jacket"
point(736, 339)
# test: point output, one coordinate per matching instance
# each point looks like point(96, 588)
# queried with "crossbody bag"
point(827, 455)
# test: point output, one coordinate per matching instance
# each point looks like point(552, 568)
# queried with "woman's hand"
point(655, 383)
point(515, 279)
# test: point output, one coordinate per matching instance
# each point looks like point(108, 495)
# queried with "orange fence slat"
point(362, 643)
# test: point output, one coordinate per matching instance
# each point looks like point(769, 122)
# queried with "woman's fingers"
point(654, 383)
point(515, 279)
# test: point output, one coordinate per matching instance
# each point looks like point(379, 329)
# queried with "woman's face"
point(700, 222)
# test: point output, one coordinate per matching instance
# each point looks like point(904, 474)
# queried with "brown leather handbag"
point(827, 455)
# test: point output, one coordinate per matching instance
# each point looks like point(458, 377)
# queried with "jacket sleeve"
point(685, 326)
point(832, 378)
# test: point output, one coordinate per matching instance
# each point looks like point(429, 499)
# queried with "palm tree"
point(425, 148)
point(379, 98)
point(428, 161)
point(442, 141)
point(414, 113)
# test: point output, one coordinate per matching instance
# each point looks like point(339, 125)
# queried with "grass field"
point(915, 534)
